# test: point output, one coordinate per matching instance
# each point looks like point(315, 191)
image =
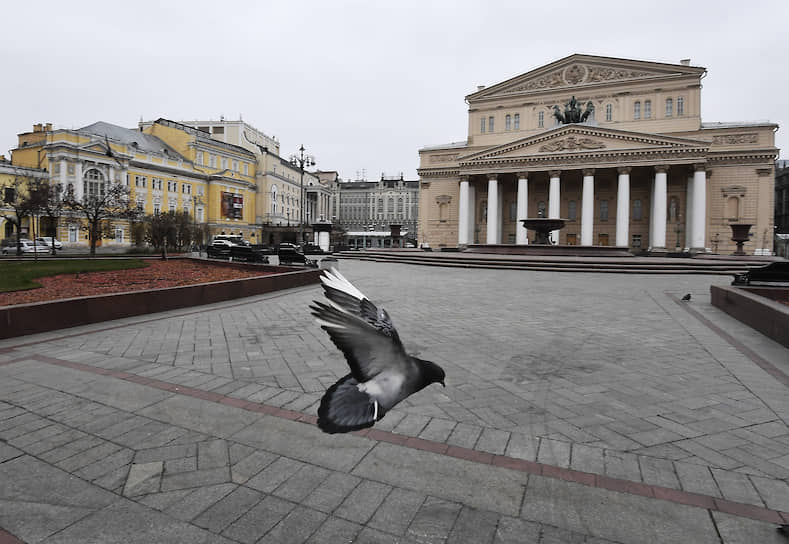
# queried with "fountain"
point(542, 226)
point(739, 234)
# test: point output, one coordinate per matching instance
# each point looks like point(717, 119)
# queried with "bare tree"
point(162, 231)
point(48, 201)
point(17, 197)
point(102, 202)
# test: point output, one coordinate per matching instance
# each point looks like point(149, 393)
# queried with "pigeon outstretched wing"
point(348, 298)
point(382, 373)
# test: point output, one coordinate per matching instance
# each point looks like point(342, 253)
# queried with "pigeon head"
point(432, 372)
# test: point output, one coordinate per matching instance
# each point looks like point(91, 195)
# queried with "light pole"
point(300, 161)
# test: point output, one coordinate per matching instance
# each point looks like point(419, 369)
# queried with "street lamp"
point(300, 161)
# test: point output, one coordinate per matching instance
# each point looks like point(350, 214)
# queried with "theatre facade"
point(616, 147)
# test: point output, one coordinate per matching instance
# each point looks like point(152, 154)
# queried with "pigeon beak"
point(442, 383)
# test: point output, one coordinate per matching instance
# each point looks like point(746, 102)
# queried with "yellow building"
point(616, 147)
point(167, 167)
point(287, 204)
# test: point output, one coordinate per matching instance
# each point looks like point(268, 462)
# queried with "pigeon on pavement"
point(382, 373)
point(686, 297)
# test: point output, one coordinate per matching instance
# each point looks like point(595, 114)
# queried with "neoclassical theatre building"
point(616, 147)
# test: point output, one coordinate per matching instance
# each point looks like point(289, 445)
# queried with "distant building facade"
point(365, 210)
point(616, 147)
point(782, 208)
point(280, 208)
point(167, 166)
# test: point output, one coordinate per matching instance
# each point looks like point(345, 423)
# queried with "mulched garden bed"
point(160, 274)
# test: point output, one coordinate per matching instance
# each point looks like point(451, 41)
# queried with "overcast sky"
point(362, 84)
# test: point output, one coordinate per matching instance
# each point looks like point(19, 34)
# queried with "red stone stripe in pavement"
point(503, 461)
point(8, 538)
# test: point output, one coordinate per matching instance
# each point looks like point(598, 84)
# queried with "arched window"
point(637, 110)
point(572, 210)
point(517, 121)
point(669, 107)
point(637, 210)
point(647, 109)
point(609, 112)
point(94, 185)
point(508, 122)
point(541, 119)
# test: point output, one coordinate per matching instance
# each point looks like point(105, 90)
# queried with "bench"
point(774, 273)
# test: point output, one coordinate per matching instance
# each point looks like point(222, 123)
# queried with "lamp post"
point(300, 161)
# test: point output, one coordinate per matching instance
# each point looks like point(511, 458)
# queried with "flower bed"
point(179, 283)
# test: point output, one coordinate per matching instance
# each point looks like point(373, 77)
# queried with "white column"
point(521, 234)
point(659, 208)
point(689, 213)
point(493, 210)
point(587, 209)
point(472, 214)
point(553, 202)
point(500, 215)
point(699, 209)
point(463, 212)
point(78, 182)
point(63, 170)
point(623, 208)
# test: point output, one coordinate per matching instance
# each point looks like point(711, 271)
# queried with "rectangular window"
point(72, 233)
point(490, 124)
point(118, 236)
point(186, 188)
point(637, 110)
point(517, 121)
point(647, 109)
point(680, 106)
point(199, 157)
point(140, 181)
point(541, 119)
point(224, 163)
point(157, 209)
point(513, 211)
point(219, 130)
point(508, 122)
point(609, 112)
point(235, 166)
point(200, 190)
point(603, 210)
point(669, 107)
point(200, 215)
point(482, 125)
point(172, 208)
point(212, 161)
point(246, 169)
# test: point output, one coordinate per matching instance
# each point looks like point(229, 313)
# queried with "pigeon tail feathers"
point(346, 408)
point(333, 279)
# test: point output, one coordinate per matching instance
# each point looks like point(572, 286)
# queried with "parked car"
point(225, 249)
point(312, 249)
point(27, 246)
point(288, 256)
point(49, 241)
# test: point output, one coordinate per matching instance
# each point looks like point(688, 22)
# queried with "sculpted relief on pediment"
point(577, 74)
point(571, 143)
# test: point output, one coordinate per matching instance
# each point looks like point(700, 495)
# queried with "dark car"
point(312, 249)
point(289, 256)
point(225, 249)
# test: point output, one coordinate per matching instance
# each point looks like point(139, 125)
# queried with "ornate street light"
point(301, 161)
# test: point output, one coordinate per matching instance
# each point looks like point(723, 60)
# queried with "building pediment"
point(583, 143)
point(579, 71)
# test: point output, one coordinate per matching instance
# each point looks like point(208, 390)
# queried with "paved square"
point(197, 422)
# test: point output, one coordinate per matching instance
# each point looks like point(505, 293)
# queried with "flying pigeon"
point(382, 373)
point(686, 297)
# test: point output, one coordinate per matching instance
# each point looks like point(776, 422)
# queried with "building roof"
point(451, 145)
point(144, 142)
point(738, 124)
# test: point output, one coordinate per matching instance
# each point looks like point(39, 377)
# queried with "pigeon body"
point(382, 373)
point(686, 297)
